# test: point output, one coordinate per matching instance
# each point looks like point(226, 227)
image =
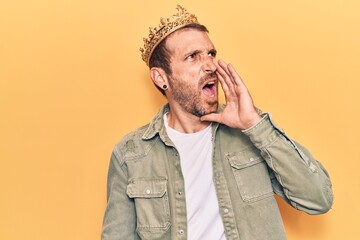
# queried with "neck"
point(183, 121)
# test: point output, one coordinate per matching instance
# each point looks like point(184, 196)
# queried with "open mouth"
point(210, 89)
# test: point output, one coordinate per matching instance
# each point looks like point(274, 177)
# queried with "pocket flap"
point(245, 158)
point(146, 188)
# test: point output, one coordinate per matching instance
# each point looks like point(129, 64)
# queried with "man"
point(199, 170)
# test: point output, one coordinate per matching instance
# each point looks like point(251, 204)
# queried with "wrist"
point(252, 122)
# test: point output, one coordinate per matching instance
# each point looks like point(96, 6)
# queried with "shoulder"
point(134, 135)
point(132, 144)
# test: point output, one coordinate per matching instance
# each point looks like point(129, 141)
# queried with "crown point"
point(167, 26)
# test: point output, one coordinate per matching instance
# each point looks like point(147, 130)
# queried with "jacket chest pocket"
point(152, 206)
point(251, 174)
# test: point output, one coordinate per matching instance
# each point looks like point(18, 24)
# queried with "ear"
point(159, 77)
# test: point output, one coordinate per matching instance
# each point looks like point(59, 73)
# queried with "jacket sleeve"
point(296, 176)
point(120, 217)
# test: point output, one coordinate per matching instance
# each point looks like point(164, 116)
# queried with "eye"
point(212, 53)
point(191, 56)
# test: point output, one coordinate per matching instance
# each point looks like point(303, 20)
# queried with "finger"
point(221, 76)
point(226, 76)
point(227, 91)
point(220, 69)
point(240, 87)
point(237, 79)
point(222, 82)
point(231, 75)
point(224, 66)
point(212, 117)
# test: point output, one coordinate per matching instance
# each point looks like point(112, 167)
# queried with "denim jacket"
point(146, 198)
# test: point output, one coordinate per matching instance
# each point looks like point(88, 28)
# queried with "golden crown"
point(166, 27)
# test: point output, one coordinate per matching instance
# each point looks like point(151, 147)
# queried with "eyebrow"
point(195, 52)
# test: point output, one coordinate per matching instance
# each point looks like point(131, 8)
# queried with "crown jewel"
point(166, 27)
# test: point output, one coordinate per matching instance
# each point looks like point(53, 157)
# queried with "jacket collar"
point(156, 126)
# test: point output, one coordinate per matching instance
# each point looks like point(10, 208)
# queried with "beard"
point(190, 97)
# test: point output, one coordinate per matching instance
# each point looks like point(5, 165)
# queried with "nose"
point(209, 66)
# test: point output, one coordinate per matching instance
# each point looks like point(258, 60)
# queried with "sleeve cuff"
point(264, 132)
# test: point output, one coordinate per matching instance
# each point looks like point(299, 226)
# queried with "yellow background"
point(72, 83)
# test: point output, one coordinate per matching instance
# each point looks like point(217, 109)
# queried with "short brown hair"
point(161, 56)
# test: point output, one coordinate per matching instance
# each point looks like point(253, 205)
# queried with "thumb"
point(212, 117)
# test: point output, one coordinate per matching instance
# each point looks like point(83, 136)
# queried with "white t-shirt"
point(202, 209)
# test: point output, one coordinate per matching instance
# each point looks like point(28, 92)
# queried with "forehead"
point(187, 40)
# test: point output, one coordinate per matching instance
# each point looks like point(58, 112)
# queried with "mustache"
point(207, 77)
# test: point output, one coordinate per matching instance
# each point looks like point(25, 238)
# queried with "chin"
point(199, 112)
